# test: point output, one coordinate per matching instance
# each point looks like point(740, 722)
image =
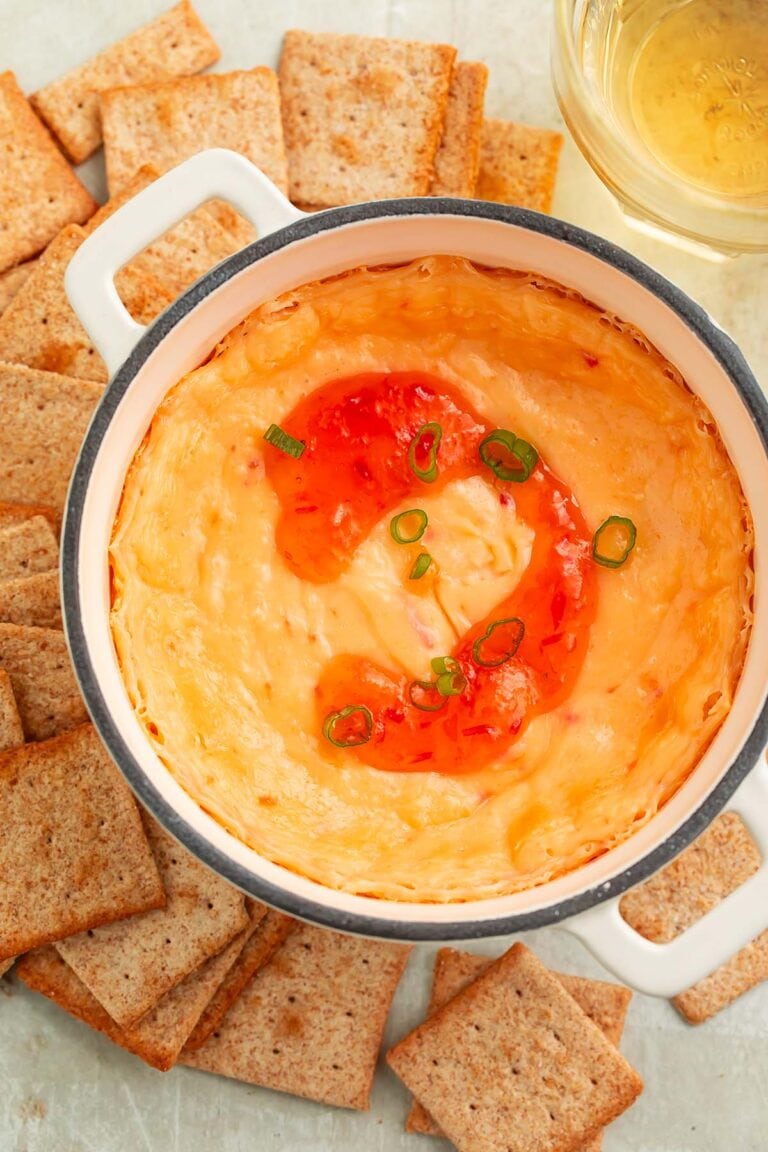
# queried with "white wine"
point(688, 82)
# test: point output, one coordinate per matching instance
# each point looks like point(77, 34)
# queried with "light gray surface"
point(65, 1089)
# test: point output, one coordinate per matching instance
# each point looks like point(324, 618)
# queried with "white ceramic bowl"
point(295, 249)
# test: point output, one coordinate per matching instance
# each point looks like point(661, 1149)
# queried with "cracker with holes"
point(716, 864)
point(39, 192)
point(518, 164)
point(78, 856)
point(177, 43)
point(457, 160)
point(272, 931)
point(27, 548)
point(159, 1036)
point(363, 116)
point(173, 121)
point(45, 416)
point(40, 329)
point(12, 280)
point(311, 1021)
point(33, 601)
point(512, 1064)
point(605, 1004)
point(37, 661)
point(129, 966)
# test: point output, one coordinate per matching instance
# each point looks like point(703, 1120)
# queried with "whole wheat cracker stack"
point(39, 328)
point(11, 731)
point(45, 416)
point(11, 511)
point(722, 859)
point(183, 254)
point(39, 192)
point(172, 121)
point(157, 1038)
point(37, 660)
point(177, 43)
point(27, 548)
point(269, 935)
point(457, 160)
point(129, 966)
point(518, 164)
point(605, 1004)
point(362, 115)
point(31, 600)
point(512, 1064)
point(12, 280)
point(311, 1021)
point(78, 856)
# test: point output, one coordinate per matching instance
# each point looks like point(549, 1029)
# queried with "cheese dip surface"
point(467, 616)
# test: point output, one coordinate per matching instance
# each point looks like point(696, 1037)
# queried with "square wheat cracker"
point(362, 115)
point(716, 864)
point(606, 1004)
point(172, 121)
point(32, 601)
point(74, 854)
point(512, 1064)
point(273, 930)
point(39, 192)
point(12, 280)
point(11, 731)
point(47, 696)
point(311, 1021)
point(129, 966)
point(45, 417)
point(177, 43)
point(26, 549)
point(518, 164)
point(11, 511)
point(457, 160)
point(159, 1036)
point(40, 328)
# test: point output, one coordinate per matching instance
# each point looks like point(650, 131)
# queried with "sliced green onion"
point(424, 695)
point(451, 683)
point(401, 537)
point(335, 730)
point(428, 474)
point(420, 566)
point(275, 436)
point(490, 651)
point(442, 664)
point(524, 456)
point(613, 541)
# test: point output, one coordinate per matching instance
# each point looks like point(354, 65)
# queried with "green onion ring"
point(333, 718)
point(513, 647)
point(522, 451)
point(614, 561)
point(275, 436)
point(425, 686)
point(394, 526)
point(442, 664)
point(429, 474)
point(451, 683)
point(420, 566)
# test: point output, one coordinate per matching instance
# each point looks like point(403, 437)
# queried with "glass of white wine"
point(668, 101)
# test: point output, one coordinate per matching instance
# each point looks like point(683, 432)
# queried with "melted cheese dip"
point(221, 645)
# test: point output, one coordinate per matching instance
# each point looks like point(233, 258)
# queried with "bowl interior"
point(184, 336)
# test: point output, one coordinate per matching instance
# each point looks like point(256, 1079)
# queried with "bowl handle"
point(90, 276)
point(668, 969)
